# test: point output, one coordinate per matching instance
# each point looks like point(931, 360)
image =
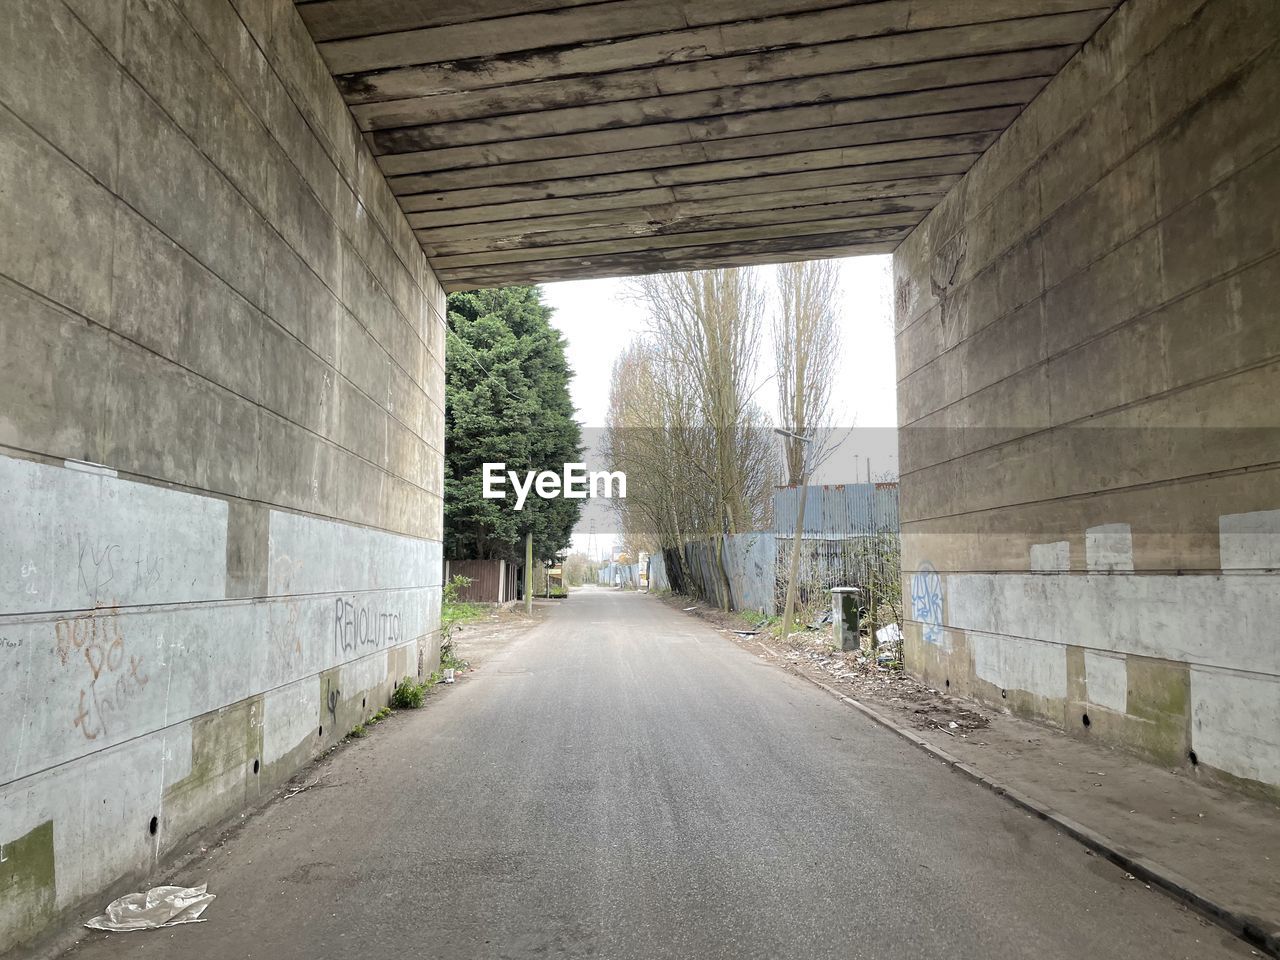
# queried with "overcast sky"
point(598, 320)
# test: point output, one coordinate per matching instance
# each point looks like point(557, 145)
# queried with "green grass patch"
point(755, 620)
point(449, 660)
point(454, 612)
point(408, 694)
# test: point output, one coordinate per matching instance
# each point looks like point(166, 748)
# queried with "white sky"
point(598, 320)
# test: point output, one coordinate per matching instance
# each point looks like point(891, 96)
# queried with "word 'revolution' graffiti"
point(362, 626)
point(926, 602)
point(115, 676)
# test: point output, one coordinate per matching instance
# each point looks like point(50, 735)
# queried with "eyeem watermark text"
point(575, 484)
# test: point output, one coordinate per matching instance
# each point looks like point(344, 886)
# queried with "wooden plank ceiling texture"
point(536, 140)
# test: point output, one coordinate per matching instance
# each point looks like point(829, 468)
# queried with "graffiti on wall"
point(112, 676)
point(288, 639)
point(104, 566)
point(362, 626)
point(926, 602)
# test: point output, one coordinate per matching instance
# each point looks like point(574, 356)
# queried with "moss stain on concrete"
point(224, 746)
point(28, 895)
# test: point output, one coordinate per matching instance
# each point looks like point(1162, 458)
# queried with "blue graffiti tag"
point(926, 602)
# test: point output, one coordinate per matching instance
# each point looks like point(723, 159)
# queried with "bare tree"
point(806, 342)
point(682, 412)
point(709, 322)
point(649, 413)
point(806, 338)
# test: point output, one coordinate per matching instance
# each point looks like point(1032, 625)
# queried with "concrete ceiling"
point(533, 140)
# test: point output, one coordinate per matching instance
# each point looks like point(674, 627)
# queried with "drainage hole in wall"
point(1195, 761)
point(256, 766)
point(948, 684)
point(153, 826)
point(1004, 694)
point(321, 732)
point(364, 703)
point(1085, 719)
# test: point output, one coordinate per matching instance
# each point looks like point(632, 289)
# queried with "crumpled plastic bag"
point(158, 907)
point(892, 634)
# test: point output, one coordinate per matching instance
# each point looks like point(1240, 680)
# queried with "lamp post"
point(789, 605)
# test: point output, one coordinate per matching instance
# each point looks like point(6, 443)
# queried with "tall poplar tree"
point(506, 400)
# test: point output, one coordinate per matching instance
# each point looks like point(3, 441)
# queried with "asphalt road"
point(625, 782)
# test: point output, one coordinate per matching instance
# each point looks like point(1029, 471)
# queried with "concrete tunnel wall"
point(221, 393)
point(1089, 358)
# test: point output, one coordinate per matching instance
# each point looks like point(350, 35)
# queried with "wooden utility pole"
point(528, 573)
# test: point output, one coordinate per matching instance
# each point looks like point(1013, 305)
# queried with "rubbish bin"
point(846, 617)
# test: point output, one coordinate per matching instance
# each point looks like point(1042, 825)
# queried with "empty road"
point(623, 782)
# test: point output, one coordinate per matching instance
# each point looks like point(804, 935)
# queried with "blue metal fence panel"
point(838, 511)
point(844, 527)
point(749, 564)
point(658, 573)
point(751, 561)
point(619, 574)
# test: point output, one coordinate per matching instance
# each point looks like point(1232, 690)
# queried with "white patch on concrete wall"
point(1051, 557)
point(314, 555)
point(110, 819)
point(1013, 664)
point(1225, 621)
point(88, 466)
point(1106, 679)
point(15, 656)
point(104, 677)
point(307, 635)
point(1109, 547)
point(129, 779)
point(177, 753)
point(1250, 541)
point(290, 715)
point(1234, 719)
point(363, 674)
point(88, 681)
point(73, 540)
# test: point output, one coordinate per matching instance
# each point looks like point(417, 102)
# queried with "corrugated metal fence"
point(849, 531)
point(619, 574)
point(749, 561)
point(839, 511)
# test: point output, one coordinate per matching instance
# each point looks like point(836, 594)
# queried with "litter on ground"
point(158, 907)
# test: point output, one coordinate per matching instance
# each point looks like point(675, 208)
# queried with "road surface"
point(625, 782)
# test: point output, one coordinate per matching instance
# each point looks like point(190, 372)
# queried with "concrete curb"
point(1253, 931)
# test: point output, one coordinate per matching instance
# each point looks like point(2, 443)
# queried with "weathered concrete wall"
point(1089, 354)
point(221, 393)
